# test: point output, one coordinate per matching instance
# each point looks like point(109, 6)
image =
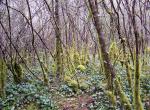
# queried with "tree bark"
point(109, 70)
point(59, 51)
point(137, 98)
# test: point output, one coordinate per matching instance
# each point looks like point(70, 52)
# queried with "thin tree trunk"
point(45, 77)
point(137, 98)
point(59, 51)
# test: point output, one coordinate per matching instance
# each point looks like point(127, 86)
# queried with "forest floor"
point(92, 95)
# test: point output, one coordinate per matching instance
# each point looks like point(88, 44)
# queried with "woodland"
point(74, 55)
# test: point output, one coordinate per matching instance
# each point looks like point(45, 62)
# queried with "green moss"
point(18, 75)
point(111, 97)
point(84, 86)
point(81, 68)
point(45, 72)
point(129, 76)
point(113, 50)
point(67, 78)
point(76, 58)
point(54, 69)
point(71, 83)
point(59, 58)
point(3, 72)
point(45, 77)
point(124, 100)
point(137, 100)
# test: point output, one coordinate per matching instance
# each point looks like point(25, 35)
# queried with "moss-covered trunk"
point(59, 51)
point(18, 73)
point(123, 98)
point(108, 68)
point(3, 72)
point(137, 99)
point(129, 76)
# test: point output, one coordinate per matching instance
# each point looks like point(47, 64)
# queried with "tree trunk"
point(109, 70)
point(137, 98)
point(3, 72)
point(59, 51)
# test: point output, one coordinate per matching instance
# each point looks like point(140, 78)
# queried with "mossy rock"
point(67, 78)
point(71, 83)
point(84, 86)
point(81, 68)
